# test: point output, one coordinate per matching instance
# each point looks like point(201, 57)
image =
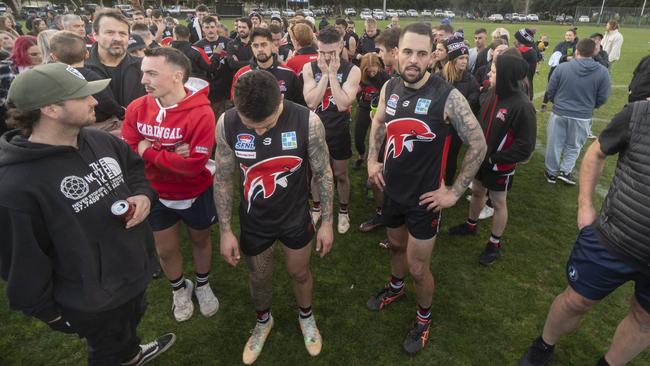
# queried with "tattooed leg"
point(260, 269)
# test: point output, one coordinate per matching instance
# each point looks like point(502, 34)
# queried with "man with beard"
point(202, 64)
point(264, 59)
point(220, 75)
point(367, 41)
point(270, 140)
point(331, 86)
point(172, 129)
point(239, 50)
point(414, 115)
point(68, 258)
point(109, 58)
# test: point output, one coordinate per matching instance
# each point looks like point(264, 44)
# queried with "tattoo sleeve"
point(460, 116)
point(223, 181)
point(319, 159)
point(377, 128)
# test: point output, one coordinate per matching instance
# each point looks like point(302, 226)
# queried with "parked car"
point(412, 13)
point(438, 13)
point(378, 14)
point(532, 18)
point(497, 18)
point(308, 13)
point(126, 9)
point(583, 19)
point(390, 13)
point(521, 18)
point(402, 13)
point(508, 17)
point(568, 19)
point(366, 15)
point(350, 12)
point(288, 13)
point(426, 13)
point(449, 14)
point(469, 16)
point(3, 7)
point(559, 18)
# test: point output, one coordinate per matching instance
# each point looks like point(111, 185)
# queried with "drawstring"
point(162, 113)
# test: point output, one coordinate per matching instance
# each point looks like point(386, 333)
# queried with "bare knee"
point(300, 276)
point(341, 176)
point(576, 303)
point(640, 315)
point(419, 271)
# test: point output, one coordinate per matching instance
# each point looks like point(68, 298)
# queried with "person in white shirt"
point(612, 42)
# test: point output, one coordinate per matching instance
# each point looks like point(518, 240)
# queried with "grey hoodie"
point(578, 87)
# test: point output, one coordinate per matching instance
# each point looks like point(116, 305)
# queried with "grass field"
point(481, 316)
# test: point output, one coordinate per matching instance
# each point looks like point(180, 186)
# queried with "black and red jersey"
point(288, 82)
point(301, 57)
point(370, 89)
point(327, 110)
point(416, 138)
point(273, 169)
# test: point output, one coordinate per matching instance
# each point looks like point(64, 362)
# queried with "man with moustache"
point(414, 116)
point(239, 50)
point(109, 59)
point(265, 59)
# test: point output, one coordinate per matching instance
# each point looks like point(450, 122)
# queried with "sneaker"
point(384, 297)
point(311, 335)
point(344, 223)
point(371, 224)
point(315, 216)
point(550, 177)
point(208, 302)
point(486, 212)
point(417, 337)
point(358, 164)
point(385, 243)
point(462, 229)
point(153, 349)
point(543, 108)
point(182, 305)
point(538, 354)
point(567, 178)
point(490, 254)
point(255, 343)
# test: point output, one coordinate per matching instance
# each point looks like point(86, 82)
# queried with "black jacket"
point(61, 245)
point(107, 106)
point(469, 88)
point(128, 87)
point(242, 51)
point(367, 44)
point(202, 64)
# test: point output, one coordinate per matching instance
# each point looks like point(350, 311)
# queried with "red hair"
point(20, 55)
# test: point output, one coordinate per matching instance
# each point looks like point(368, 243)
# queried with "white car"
point(583, 19)
point(288, 13)
point(391, 13)
point(366, 15)
point(378, 14)
point(308, 13)
point(438, 13)
point(497, 18)
point(521, 18)
point(350, 12)
point(401, 13)
point(413, 13)
point(426, 13)
point(532, 18)
point(449, 14)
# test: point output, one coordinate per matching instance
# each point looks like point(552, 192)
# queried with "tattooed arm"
point(225, 161)
point(377, 137)
point(319, 160)
point(459, 114)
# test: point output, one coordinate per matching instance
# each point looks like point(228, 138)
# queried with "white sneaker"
point(182, 305)
point(344, 223)
point(311, 335)
point(486, 212)
point(315, 216)
point(255, 343)
point(208, 302)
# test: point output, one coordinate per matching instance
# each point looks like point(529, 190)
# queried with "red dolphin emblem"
point(328, 99)
point(263, 176)
point(402, 132)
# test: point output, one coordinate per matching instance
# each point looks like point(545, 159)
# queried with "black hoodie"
point(61, 246)
point(508, 117)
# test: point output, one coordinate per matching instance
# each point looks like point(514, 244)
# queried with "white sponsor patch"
point(390, 111)
point(246, 154)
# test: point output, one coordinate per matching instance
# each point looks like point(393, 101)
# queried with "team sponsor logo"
point(392, 100)
point(422, 106)
point(207, 49)
point(263, 178)
point(406, 103)
point(85, 191)
point(245, 141)
point(266, 141)
point(289, 140)
point(328, 99)
point(202, 150)
point(75, 72)
point(501, 114)
point(390, 111)
point(403, 132)
point(283, 87)
point(573, 273)
point(246, 154)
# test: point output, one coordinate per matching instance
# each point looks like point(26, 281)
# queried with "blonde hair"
point(370, 22)
point(499, 32)
point(43, 41)
point(451, 73)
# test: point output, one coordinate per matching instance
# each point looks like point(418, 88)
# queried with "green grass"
point(482, 316)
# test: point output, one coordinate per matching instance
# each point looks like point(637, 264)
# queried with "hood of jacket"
point(197, 95)
point(585, 66)
point(15, 149)
point(510, 70)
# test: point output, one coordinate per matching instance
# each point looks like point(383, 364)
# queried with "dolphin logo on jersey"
point(328, 99)
point(402, 132)
point(264, 176)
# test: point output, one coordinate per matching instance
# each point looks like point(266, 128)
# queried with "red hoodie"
point(190, 121)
